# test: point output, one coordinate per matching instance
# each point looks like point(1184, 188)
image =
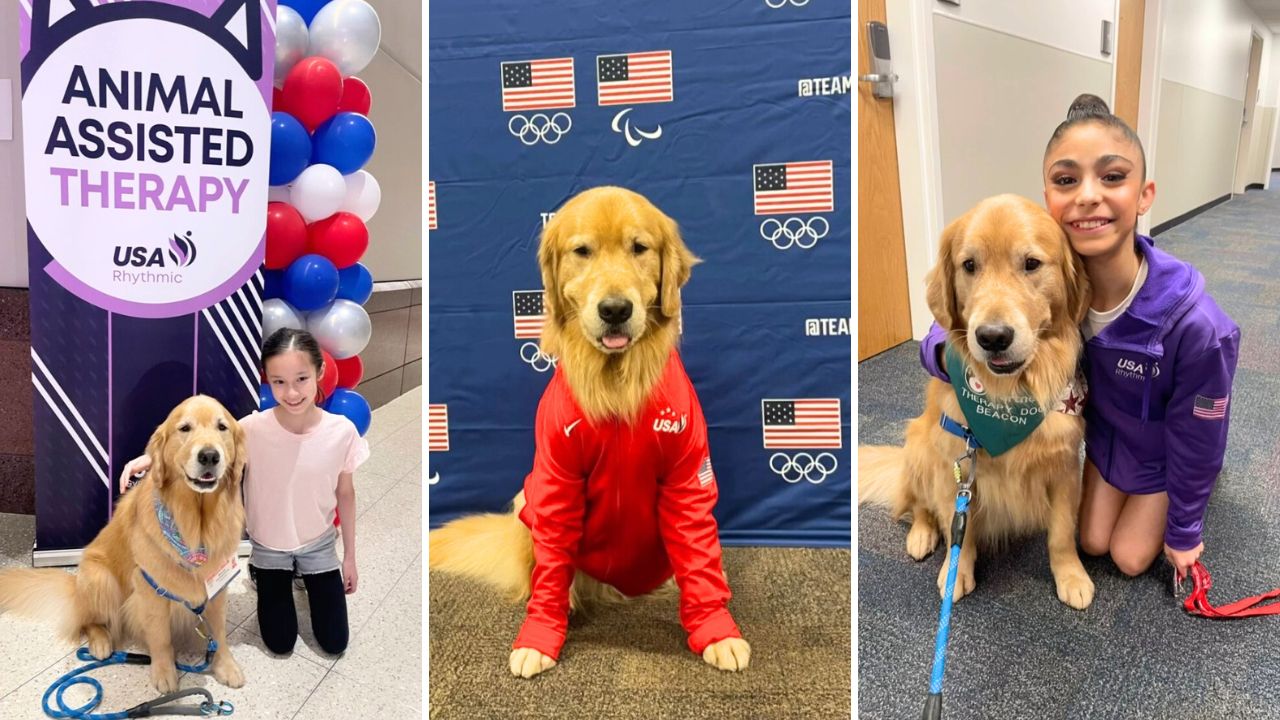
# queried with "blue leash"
point(152, 707)
point(933, 701)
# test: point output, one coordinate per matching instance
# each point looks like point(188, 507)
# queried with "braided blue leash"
point(77, 677)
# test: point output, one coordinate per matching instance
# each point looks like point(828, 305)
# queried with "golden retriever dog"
point(612, 265)
point(198, 454)
point(1011, 295)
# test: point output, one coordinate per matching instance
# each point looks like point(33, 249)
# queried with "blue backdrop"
point(734, 118)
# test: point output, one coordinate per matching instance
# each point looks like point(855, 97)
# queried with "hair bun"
point(1087, 106)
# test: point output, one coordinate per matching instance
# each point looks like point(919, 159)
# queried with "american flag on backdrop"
point(705, 475)
point(537, 84)
point(806, 423)
point(794, 187)
point(437, 428)
point(1210, 408)
point(529, 313)
point(431, 205)
point(634, 78)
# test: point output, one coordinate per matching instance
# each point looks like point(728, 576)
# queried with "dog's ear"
point(156, 451)
point(1079, 290)
point(940, 291)
point(241, 453)
point(553, 302)
point(677, 263)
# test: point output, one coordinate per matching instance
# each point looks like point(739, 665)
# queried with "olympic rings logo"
point(775, 4)
point(795, 231)
point(540, 127)
point(803, 466)
point(538, 360)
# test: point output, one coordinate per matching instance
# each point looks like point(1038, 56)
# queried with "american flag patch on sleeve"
point(705, 475)
point(1210, 408)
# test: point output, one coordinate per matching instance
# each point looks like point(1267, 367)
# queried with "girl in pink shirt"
point(298, 475)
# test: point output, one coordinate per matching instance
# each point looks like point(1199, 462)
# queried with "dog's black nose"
point(614, 310)
point(208, 456)
point(995, 338)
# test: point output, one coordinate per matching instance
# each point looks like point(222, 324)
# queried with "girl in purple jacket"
point(1160, 354)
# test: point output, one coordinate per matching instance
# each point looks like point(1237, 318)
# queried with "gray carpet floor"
point(1015, 650)
point(632, 662)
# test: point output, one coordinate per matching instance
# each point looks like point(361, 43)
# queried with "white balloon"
point(292, 40)
point(342, 327)
point(278, 193)
point(347, 32)
point(363, 195)
point(318, 192)
point(276, 314)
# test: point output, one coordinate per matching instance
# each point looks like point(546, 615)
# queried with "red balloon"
point(286, 235)
point(356, 97)
point(341, 237)
point(277, 99)
point(350, 372)
point(329, 380)
point(312, 91)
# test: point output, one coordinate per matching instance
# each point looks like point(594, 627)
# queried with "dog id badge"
point(221, 577)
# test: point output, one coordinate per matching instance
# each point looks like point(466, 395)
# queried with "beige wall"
point(999, 99)
point(1197, 133)
point(395, 81)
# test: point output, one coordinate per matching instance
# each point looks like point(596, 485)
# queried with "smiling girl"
point(1160, 355)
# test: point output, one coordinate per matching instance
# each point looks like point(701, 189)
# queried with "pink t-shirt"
point(291, 480)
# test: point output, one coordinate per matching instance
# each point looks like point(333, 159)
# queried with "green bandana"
point(997, 426)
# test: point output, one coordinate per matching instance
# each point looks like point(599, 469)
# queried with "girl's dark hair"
point(1091, 108)
point(287, 339)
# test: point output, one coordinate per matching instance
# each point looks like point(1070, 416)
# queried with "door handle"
point(878, 77)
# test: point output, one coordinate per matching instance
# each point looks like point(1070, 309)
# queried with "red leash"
point(1197, 603)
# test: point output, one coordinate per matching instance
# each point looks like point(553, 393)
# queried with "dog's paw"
point(99, 642)
point(965, 582)
point(527, 662)
point(921, 540)
point(164, 677)
point(731, 654)
point(1075, 590)
point(227, 671)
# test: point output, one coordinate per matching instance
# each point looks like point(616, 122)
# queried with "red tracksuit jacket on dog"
point(629, 505)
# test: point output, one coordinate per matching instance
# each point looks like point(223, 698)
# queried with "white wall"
point(13, 213)
point(1203, 65)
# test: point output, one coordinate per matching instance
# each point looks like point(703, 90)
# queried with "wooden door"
point(884, 315)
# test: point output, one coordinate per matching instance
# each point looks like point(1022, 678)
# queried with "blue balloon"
point(350, 404)
point(310, 282)
point(266, 400)
point(355, 283)
point(344, 141)
point(272, 284)
point(290, 148)
point(306, 8)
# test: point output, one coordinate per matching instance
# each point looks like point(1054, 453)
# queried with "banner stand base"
point(68, 558)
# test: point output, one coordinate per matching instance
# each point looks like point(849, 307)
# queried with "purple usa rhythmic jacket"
point(1159, 392)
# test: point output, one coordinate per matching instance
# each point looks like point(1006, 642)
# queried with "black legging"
point(278, 619)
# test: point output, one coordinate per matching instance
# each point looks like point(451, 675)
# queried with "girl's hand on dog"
point(730, 654)
point(1182, 560)
point(527, 662)
point(131, 468)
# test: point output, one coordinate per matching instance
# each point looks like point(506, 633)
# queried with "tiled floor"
point(379, 676)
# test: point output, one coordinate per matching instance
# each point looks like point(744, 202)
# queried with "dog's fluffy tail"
point(881, 476)
point(496, 549)
point(45, 594)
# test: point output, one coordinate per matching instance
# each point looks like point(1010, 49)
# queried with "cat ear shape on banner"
point(236, 25)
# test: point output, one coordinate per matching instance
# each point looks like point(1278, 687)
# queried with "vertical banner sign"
point(146, 127)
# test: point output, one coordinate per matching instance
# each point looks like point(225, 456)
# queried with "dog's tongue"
point(615, 342)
